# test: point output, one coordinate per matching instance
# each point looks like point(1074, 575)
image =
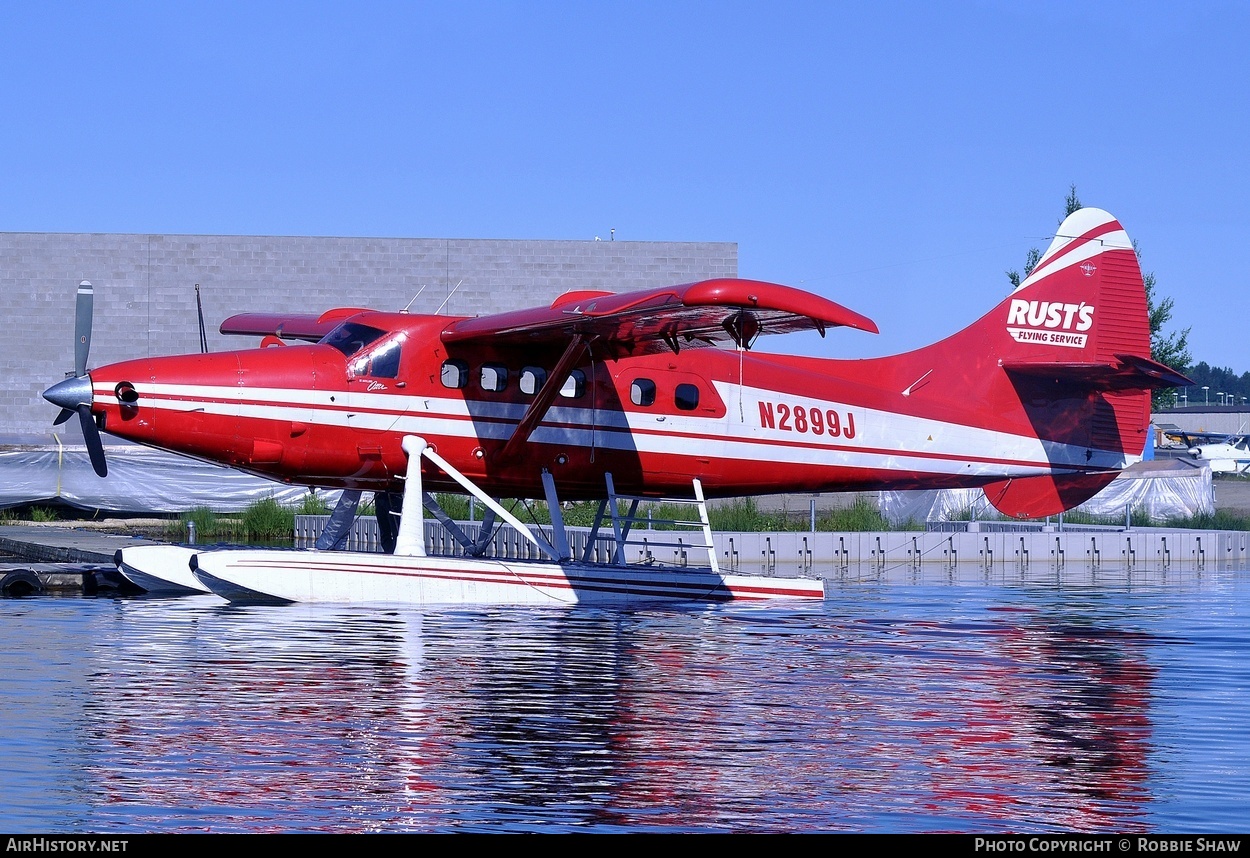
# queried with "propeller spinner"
point(74, 393)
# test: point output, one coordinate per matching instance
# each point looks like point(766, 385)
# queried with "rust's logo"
point(1050, 322)
point(1089, 268)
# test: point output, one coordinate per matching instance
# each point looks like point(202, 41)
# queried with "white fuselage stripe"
point(883, 440)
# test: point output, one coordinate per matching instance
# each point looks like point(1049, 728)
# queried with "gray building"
point(146, 297)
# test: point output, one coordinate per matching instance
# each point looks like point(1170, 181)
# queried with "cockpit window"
point(382, 361)
point(351, 337)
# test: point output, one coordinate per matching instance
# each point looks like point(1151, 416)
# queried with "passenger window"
point(455, 374)
point(642, 392)
point(574, 386)
point(532, 378)
point(494, 377)
point(686, 397)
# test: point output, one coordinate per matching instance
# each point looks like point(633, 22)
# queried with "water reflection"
point(872, 712)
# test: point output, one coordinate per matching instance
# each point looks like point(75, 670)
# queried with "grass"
point(264, 521)
point(268, 521)
point(313, 504)
point(1219, 520)
point(17, 515)
point(42, 514)
point(210, 526)
point(741, 515)
point(1137, 517)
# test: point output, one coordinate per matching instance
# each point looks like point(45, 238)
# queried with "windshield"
point(351, 337)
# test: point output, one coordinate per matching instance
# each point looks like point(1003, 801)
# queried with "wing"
point(693, 315)
point(289, 326)
point(1194, 439)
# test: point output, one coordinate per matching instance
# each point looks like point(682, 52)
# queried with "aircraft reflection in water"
point(263, 718)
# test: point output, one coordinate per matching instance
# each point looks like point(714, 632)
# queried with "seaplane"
point(620, 398)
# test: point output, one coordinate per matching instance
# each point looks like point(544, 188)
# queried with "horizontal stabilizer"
point(1129, 372)
point(289, 326)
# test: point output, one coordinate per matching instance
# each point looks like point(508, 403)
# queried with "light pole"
point(1206, 396)
point(1184, 397)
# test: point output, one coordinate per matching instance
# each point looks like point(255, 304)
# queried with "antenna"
point(414, 297)
point(448, 298)
point(199, 309)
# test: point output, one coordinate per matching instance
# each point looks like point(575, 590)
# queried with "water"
point(891, 707)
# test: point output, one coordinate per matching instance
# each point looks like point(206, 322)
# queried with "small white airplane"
point(1225, 453)
point(1228, 455)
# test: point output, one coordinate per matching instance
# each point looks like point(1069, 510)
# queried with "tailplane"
point(1061, 368)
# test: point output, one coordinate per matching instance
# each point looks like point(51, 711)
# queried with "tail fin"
point(1064, 359)
point(1079, 360)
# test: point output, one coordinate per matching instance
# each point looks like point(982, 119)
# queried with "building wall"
point(145, 297)
point(1222, 419)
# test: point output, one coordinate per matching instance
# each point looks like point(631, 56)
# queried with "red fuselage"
point(334, 415)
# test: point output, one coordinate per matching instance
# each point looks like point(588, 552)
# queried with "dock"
point(61, 558)
point(70, 559)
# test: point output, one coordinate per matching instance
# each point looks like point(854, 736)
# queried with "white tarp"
point(140, 480)
point(1161, 489)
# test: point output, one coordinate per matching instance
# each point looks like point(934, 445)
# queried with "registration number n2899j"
point(816, 421)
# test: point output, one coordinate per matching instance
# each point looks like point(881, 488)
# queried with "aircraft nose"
point(70, 393)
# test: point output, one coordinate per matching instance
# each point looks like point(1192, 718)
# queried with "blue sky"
point(895, 157)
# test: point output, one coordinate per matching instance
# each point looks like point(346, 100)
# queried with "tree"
point(1071, 204)
point(1171, 349)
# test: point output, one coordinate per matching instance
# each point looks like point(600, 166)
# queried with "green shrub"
point(266, 520)
point(860, 516)
point(209, 526)
point(313, 504)
point(41, 513)
point(1219, 520)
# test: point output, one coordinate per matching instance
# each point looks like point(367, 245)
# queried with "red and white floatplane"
point(1040, 403)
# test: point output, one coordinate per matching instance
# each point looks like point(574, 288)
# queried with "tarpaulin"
point(140, 480)
point(1160, 489)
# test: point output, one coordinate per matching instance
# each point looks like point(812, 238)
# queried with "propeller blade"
point(65, 414)
point(91, 434)
point(82, 326)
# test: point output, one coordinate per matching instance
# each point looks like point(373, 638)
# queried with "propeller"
point(74, 393)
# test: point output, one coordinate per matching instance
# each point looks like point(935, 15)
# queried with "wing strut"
point(546, 395)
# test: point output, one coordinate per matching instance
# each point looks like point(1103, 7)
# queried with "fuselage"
point(334, 414)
